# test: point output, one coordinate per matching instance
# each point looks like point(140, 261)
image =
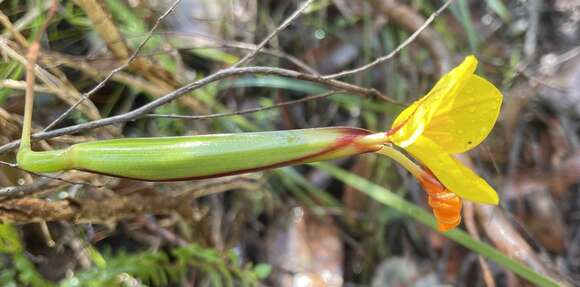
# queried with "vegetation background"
point(298, 226)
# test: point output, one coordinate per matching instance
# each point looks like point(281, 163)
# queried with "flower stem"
point(403, 160)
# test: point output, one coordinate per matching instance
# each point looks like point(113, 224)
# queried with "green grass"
point(398, 203)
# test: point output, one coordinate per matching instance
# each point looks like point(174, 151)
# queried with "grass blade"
point(394, 201)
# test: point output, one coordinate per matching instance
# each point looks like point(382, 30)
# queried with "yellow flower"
point(454, 117)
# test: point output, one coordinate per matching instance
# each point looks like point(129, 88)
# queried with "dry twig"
point(387, 57)
point(282, 26)
point(58, 87)
point(129, 61)
point(248, 111)
point(412, 21)
point(222, 74)
point(203, 42)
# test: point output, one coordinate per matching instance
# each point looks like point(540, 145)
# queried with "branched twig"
point(382, 59)
point(243, 112)
point(80, 64)
point(232, 71)
point(411, 20)
point(276, 53)
point(202, 41)
point(282, 26)
point(148, 108)
point(133, 56)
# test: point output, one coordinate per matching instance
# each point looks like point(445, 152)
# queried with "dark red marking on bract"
point(397, 128)
point(351, 134)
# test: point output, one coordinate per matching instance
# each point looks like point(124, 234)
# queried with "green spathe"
point(204, 156)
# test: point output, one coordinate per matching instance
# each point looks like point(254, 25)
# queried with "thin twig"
point(148, 108)
point(276, 53)
point(382, 59)
point(30, 189)
point(79, 64)
point(22, 190)
point(206, 41)
point(568, 55)
point(282, 26)
point(58, 87)
point(404, 16)
point(538, 80)
point(243, 112)
point(215, 43)
point(15, 33)
point(12, 191)
point(9, 164)
point(133, 56)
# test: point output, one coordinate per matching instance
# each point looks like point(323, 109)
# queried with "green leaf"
point(215, 55)
point(461, 11)
point(157, 269)
point(262, 270)
point(499, 8)
point(20, 271)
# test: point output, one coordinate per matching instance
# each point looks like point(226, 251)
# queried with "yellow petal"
point(456, 177)
point(414, 119)
point(465, 121)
